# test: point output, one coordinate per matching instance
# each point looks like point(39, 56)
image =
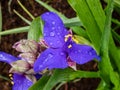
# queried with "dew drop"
point(58, 33)
point(61, 53)
point(58, 27)
point(90, 53)
point(40, 66)
point(51, 43)
point(50, 55)
point(44, 34)
point(53, 22)
point(47, 13)
point(58, 42)
point(53, 28)
point(75, 51)
point(52, 34)
point(79, 51)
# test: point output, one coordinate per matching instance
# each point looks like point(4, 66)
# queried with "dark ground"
point(11, 20)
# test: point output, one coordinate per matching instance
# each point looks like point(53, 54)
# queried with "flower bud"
point(71, 63)
point(29, 57)
point(19, 66)
point(26, 46)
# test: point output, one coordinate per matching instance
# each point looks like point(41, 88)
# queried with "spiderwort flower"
point(20, 81)
point(22, 66)
point(61, 46)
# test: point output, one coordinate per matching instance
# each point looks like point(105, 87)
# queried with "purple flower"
point(21, 81)
point(61, 46)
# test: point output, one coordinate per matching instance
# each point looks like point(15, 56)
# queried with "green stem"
point(16, 30)
point(24, 19)
point(25, 9)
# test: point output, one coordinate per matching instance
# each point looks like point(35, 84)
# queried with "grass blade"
point(15, 30)
point(108, 76)
point(24, 19)
point(0, 20)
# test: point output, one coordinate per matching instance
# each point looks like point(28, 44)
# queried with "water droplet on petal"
point(53, 28)
point(58, 42)
point(44, 34)
point(79, 51)
point(51, 43)
point(90, 53)
point(61, 53)
point(47, 13)
point(53, 22)
point(58, 27)
point(52, 34)
point(75, 51)
point(58, 33)
point(50, 55)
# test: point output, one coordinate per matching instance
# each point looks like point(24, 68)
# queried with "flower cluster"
point(22, 66)
point(62, 50)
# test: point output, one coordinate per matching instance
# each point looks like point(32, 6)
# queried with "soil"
point(11, 20)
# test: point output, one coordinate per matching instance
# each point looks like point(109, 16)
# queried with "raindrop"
point(40, 66)
point(61, 53)
point(58, 33)
point(58, 41)
point(53, 22)
point(75, 51)
point(79, 51)
point(58, 27)
point(90, 53)
point(50, 55)
point(47, 13)
point(51, 43)
point(52, 34)
point(44, 34)
point(53, 28)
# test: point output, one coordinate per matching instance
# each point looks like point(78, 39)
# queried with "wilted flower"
point(61, 46)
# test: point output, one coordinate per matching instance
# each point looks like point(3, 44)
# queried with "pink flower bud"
point(19, 66)
point(71, 63)
point(29, 57)
point(26, 46)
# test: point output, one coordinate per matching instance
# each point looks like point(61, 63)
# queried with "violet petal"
point(21, 82)
point(82, 54)
point(50, 58)
point(54, 30)
point(8, 58)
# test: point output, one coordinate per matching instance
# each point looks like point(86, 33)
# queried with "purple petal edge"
point(54, 30)
point(8, 58)
point(82, 54)
point(21, 82)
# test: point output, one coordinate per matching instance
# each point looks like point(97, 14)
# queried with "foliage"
point(93, 24)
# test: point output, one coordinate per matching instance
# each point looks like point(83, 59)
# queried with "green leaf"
point(116, 36)
point(117, 3)
point(90, 18)
point(39, 85)
point(80, 31)
point(50, 8)
point(5, 78)
point(72, 22)
point(105, 65)
point(15, 30)
point(35, 31)
point(64, 75)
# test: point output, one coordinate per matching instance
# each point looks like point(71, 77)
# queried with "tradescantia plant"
point(49, 51)
point(61, 46)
